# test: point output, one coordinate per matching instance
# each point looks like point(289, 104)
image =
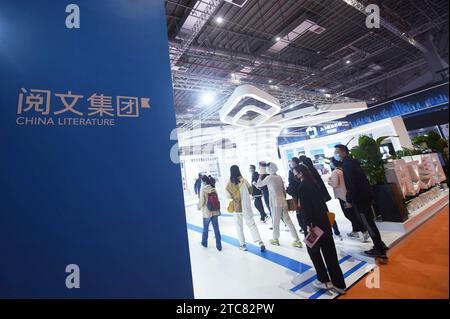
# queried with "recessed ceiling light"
point(322, 90)
point(277, 39)
point(270, 81)
point(348, 61)
point(373, 99)
point(313, 74)
point(318, 52)
point(219, 20)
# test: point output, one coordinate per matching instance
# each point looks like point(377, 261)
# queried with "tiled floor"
point(286, 272)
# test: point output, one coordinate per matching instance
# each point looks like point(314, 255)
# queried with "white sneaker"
point(321, 285)
point(243, 248)
point(353, 234)
point(365, 237)
point(339, 290)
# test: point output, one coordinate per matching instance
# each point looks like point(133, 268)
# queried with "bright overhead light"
point(313, 74)
point(208, 98)
point(219, 20)
point(348, 61)
point(322, 90)
point(373, 99)
point(277, 39)
point(270, 81)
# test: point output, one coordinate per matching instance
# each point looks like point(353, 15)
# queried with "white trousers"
point(277, 212)
point(239, 222)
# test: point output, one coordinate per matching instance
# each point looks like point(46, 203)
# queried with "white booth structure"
point(252, 125)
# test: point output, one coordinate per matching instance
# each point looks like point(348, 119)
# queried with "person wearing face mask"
point(322, 188)
point(360, 196)
point(336, 181)
point(278, 205)
point(323, 254)
point(257, 195)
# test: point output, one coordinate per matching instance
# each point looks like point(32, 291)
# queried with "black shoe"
point(375, 253)
point(385, 248)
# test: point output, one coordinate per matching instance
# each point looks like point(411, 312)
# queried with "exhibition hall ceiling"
point(303, 52)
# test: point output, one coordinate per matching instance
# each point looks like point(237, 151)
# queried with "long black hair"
point(307, 174)
point(235, 174)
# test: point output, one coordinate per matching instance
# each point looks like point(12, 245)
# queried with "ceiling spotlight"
point(270, 81)
point(219, 20)
point(322, 90)
point(318, 52)
point(277, 39)
point(208, 98)
point(374, 99)
point(348, 62)
point(312, 74)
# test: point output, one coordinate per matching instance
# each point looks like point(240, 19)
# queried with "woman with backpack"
point(239, 191)
point(210, 206)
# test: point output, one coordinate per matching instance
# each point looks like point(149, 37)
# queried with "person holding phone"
point(314, 208)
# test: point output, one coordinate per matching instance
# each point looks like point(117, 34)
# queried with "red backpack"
point(213, 203)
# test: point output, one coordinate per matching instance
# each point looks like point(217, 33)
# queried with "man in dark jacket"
point(360, 196)
point(257, 194)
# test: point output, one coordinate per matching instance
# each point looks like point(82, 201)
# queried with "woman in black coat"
point(315, 212)
point(322, 187)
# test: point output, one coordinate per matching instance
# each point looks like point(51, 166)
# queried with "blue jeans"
point(215, 222)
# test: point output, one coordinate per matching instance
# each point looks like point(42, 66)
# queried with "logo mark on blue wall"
point(73, 279)
point(73, 19)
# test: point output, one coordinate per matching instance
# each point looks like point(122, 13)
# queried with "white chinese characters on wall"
point(415, 174)
point(41, 107)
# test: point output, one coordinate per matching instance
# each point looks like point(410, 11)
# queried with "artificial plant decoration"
point(369, 155)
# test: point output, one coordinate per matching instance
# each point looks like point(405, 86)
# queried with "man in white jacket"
point(278, 205)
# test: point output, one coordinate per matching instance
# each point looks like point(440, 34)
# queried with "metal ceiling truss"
point(202, 19)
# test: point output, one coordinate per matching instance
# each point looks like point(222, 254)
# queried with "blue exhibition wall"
point(422, 100)
point(85, 170)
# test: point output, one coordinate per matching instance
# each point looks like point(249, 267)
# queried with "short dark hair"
point(253, 166)
point(343, 148)
point(295, 160)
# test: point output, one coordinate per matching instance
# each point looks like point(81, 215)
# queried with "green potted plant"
point(388, 202)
